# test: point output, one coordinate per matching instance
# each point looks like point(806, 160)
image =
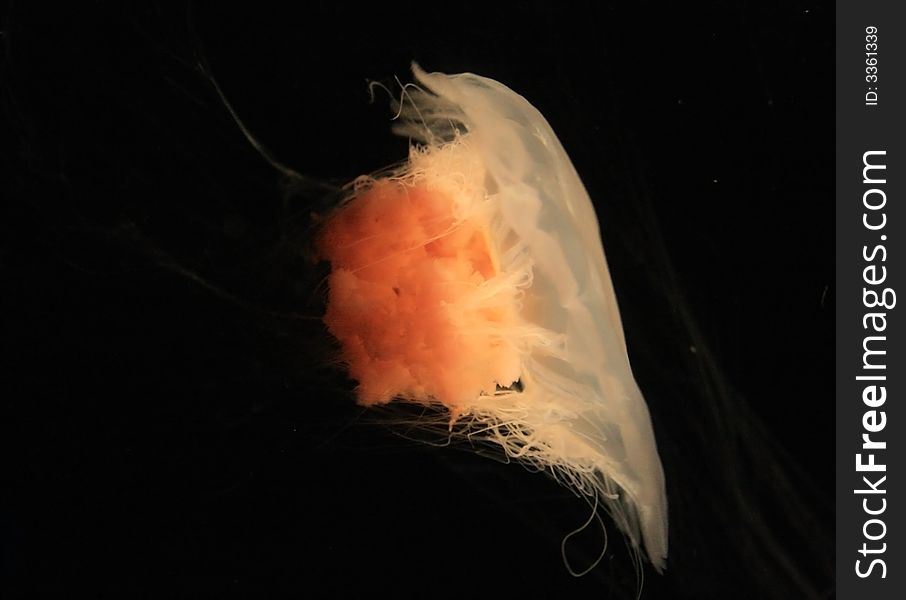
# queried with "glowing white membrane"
point(580, 414)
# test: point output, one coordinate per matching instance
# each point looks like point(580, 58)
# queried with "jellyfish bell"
point(473, 278)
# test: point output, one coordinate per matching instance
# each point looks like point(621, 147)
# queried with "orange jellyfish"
point(473, 279)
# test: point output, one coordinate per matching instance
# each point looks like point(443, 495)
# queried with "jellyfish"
point(472, 279)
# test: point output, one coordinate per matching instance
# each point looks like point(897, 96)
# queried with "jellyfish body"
point(474, 278)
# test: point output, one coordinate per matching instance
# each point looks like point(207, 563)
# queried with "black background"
point(171, 423)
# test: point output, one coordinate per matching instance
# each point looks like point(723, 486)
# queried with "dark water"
point(171, 422)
